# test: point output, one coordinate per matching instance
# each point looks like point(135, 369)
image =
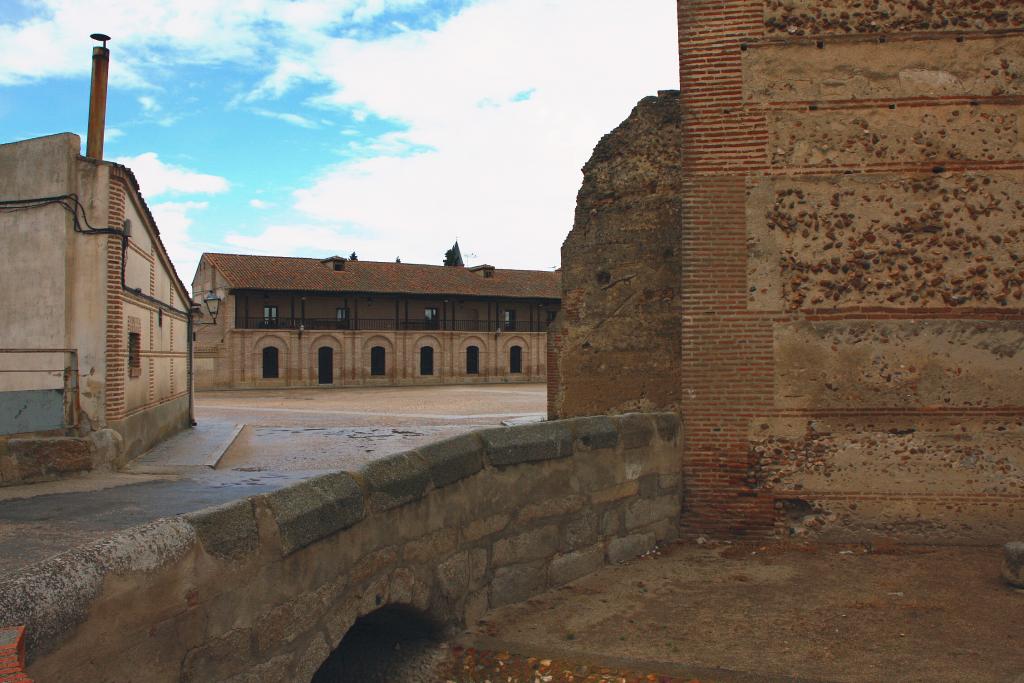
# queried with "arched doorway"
point(325, 365)
point(270, 362)
point(378, 361)
point(472, 360)
point(427, 360)
point(515, 360)
point(395, 643)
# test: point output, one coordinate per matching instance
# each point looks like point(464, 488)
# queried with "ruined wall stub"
point(618, 338)
point(855, 170)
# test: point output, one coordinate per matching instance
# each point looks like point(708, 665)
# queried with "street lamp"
point(212, 303)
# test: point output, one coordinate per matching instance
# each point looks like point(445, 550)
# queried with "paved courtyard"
point(316, 429)
point(250, 442)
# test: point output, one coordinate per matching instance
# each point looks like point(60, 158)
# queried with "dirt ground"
point(762, 613)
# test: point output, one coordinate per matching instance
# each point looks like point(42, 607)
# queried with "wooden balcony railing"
point(390, 324)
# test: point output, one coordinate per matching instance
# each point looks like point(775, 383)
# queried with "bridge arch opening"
point(393, 643)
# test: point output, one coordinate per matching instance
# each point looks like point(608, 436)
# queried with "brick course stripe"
point(12, 655)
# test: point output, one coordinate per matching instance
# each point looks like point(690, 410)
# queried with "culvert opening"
point(394, 643)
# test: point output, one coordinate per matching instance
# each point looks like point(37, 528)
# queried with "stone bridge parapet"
point(265, 588)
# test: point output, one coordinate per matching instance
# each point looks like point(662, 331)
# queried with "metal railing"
point(397, 324)
point(38, 390)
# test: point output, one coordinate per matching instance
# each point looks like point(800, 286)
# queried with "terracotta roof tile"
point(312, 275)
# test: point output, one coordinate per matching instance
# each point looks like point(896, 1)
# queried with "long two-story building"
point(286, 321)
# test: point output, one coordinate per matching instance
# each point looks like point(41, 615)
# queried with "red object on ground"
point(12, 655)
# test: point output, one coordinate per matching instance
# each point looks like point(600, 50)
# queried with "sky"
point(389, 128)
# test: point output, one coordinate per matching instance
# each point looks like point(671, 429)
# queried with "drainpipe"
point(188, 366)
point(98, 98)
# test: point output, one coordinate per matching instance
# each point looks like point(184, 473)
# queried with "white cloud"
point(294, 119)
point(174, 222)
point(154, 35)
point(503, 178)
point(154, 112)
point(286, 73)
point(297, 239)
point(260, 204)
point(112, 134)
point(554, 76)
point(157, 178)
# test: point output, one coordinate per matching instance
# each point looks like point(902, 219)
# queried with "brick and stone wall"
point(264, 588)
point(854, 170)
point(850, 285)
point(12, 655)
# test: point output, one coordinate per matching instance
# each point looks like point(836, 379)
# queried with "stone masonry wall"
point(264, 588)
point(852, 271)
point(616, 343)
point(838, 245)
point(26, 460)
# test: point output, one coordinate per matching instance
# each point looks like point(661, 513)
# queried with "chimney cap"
point(103, 37)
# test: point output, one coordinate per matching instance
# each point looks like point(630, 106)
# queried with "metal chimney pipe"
point(98, 98)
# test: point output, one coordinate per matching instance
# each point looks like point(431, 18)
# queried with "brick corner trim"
point(12, 655)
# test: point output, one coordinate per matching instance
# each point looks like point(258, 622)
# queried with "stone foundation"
point(30, 459)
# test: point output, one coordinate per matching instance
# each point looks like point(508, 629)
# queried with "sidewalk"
point(201, 446)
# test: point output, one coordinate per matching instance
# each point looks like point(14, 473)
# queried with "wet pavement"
point(249, 443)
point(34, 528)
point(259, 449)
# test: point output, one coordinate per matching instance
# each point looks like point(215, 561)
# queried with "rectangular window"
point(134, 354)
point(510, 319)
point(269, 316)
point(341, 317)
point(430, 317)
point(342, 313)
